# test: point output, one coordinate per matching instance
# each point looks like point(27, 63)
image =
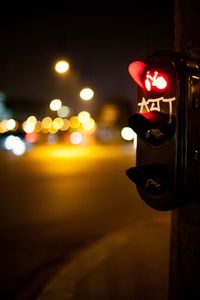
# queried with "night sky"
point(99, 44)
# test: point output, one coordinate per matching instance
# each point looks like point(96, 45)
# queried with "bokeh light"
point(74, 122)
point(28, 126)
point(128, 134)
point(31, 137)
point(19, 147)
point(86, 94)
point(9, 142)
point(66, 125)
point(57, 123)
point(55, 104)
point(83, 116)
point(46, 122)
point(11, 124)
point(62, 66)
point(89, 126)
point(15, 144)
point(64, 111)
point(76, 138)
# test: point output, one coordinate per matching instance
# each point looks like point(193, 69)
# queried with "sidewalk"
point(129, 264)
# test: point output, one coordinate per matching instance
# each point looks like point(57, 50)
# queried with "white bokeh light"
point(62, 66)
point(76, 138)
point(128, 134)
point(86, 94)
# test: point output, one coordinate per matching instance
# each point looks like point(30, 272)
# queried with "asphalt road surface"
point(57, 201)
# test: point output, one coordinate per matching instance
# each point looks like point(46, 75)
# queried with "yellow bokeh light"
point(46, 122)
point(74, 122)
point(62, 66)
point(89, 126)
point(32, 119)
point(52, 129)
point(28, 127)
point(57, 123)
point(11, 124)
point(66, 125)
point(16, 126)
point(38, 126)
point(3, 126)
point(83, 116)
point(45, 130)
point(55, 104)
point(86, 94)
point(110, 114)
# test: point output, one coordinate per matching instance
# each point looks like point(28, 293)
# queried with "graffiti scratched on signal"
point(156, 104)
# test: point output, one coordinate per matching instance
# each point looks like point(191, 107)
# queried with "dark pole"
point(184, 274)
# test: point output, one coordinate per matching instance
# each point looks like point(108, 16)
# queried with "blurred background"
point(96, 47)
point(65, 98)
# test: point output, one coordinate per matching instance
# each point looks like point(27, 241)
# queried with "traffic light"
point(167, 126)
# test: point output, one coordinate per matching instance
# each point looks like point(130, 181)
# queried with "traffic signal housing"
point(166, 123)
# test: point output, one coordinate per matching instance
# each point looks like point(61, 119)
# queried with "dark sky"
point(99, 44)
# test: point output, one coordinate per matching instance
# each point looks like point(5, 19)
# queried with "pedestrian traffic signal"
point(166, 124)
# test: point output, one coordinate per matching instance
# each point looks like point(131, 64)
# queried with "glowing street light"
point(86, 94)
point(62, 66)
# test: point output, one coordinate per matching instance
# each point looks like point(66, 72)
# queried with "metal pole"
point(184, 271)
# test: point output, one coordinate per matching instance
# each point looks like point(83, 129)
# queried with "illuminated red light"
point(136, 69)
point(155, 80)
point(152, 80)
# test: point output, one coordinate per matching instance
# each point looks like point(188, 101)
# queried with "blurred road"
point(57, 201)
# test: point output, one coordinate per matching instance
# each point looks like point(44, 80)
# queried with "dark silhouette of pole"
point(184, 274)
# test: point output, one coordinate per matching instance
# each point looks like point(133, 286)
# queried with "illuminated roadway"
point(57, 200)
